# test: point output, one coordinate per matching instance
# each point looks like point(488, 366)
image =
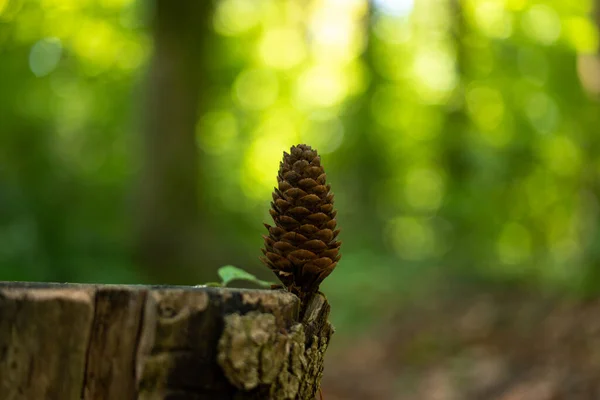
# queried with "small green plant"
point(229, 273)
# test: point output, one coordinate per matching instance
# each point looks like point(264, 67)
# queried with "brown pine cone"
point(301, 249)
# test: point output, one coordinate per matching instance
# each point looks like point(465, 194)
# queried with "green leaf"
point(230, 273)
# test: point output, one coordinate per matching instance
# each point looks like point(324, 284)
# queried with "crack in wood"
point(89, 346)
point(138, 338)
point(92, 342)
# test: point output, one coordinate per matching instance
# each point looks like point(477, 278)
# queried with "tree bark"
point(70, 341)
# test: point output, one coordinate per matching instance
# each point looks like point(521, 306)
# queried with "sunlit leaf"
point(230, 273)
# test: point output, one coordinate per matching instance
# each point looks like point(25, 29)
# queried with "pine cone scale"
point(301, 248)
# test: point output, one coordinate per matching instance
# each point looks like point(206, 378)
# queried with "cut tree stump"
point(75, 341)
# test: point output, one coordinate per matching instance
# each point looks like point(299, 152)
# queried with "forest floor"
point(480, 346)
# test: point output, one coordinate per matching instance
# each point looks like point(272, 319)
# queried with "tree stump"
point(75, 341)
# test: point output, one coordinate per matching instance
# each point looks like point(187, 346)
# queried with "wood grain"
point(72, 341)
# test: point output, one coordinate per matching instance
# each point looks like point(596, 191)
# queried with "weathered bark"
point(70, 341)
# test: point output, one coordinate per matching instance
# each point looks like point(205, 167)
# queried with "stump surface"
point(72, 341)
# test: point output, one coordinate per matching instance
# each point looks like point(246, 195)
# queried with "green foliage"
point(457, 144)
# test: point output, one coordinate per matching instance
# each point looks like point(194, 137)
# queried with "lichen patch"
point(255, 353)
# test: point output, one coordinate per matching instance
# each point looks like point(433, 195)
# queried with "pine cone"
point(301, 249)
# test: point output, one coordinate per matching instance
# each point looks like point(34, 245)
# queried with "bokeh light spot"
point(9, 9)
point(582, 34)
point(97, 43)
point(256, 89)
point(282, 48)
point(44, 56)
point(435, 75)
point(485, 106)
point(396, 8)
point(115, 4)
point(492, 19)
point(275, 135)
point(392, 31)
point(515, 5)
point(542, 112)
point(332, 31)
point(561, 155)
point(235, 17)
point(60, 24)
point(323, 132)
point(335, 35)
point(424, 189)
point(542, 24)
point(321, 86)
point(412, 238)
point(65, 5)
point(73, 107)
point(3, 6)
point(132, 54)
point(217, 132)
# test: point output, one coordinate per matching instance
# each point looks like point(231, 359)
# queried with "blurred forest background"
point(140, 141)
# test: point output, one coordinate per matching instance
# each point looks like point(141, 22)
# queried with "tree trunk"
point(70, 341)
point(167, 210)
